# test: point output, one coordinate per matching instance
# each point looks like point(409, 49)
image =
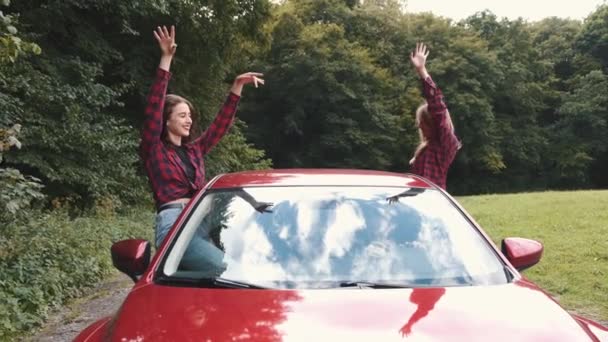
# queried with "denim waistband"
point(171, 206)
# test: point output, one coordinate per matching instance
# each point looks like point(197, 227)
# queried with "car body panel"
point(307, 177)
point(593, 328)
point(95, 332)
point(511, 312)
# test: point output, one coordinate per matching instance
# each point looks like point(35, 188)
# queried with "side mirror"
point(522, 253)
point(131, 257)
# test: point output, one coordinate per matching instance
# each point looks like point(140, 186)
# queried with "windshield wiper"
point(234, 284)
point(210, 282)
point(370, 285)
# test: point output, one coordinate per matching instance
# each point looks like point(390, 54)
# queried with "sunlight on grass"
point(573, 227)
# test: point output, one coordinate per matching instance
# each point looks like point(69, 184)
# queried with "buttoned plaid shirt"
point(434, 160)
point(164, 167)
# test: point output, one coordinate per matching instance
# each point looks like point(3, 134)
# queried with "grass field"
point(573, 227)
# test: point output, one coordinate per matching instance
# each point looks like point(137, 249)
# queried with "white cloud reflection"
point(346, 220)
point(313, 236)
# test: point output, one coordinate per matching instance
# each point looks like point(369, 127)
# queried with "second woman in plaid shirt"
point(438, 142)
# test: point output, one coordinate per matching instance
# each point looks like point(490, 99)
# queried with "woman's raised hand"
point(246, 78)
point(250, 77)
point(418, 59)
point(418, 56)
point(166, 40)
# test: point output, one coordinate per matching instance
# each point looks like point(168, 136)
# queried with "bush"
point(47, 259)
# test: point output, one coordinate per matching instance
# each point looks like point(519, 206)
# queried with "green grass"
point(573, 227)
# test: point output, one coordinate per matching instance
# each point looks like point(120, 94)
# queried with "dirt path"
point(103, 301)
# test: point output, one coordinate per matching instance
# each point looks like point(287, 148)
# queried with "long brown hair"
point(172, 100)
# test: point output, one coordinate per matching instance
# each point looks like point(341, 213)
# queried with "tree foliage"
point(593, 37)
point(81, 101)
point(326, 102)
point(340, 91)
point(17, 191)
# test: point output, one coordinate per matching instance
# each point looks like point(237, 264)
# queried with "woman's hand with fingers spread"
point(419, 55)
point(418, 59)
point(166, 40)
point(247, 78)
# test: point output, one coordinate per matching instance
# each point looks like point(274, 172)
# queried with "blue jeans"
point(201, 254)
point(164, 221)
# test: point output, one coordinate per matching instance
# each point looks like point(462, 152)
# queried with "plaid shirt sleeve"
point(153, 120)
point(434, 161)
point(438, 109)
point(218, 128)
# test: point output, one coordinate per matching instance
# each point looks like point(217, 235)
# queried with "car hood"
point(511, 312)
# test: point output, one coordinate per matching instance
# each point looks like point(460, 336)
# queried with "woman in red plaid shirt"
point(173, 159)
point(438, 142)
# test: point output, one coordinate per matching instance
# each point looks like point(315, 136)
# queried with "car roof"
point(318, 177)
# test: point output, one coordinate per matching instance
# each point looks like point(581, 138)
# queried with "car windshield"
point(322, 237)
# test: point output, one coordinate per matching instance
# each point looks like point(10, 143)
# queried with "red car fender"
point(593, 329)
point(94, 332)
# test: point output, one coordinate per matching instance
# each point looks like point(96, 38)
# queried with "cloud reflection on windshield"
point(355, 234)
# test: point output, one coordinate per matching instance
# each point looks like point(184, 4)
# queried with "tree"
point(582, 144)
point(79, 102)
point(554, 39)
point(17, 191)
point(522, 93)
point(325, 101)
point(593, 38)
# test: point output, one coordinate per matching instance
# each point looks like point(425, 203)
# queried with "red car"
point(340, 255)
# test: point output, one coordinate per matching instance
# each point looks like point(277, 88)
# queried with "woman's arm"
point(418, 59)
point(432, 94)
point(224, 118)
point(262, 207)
point(153, 120)
point(166, 42)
